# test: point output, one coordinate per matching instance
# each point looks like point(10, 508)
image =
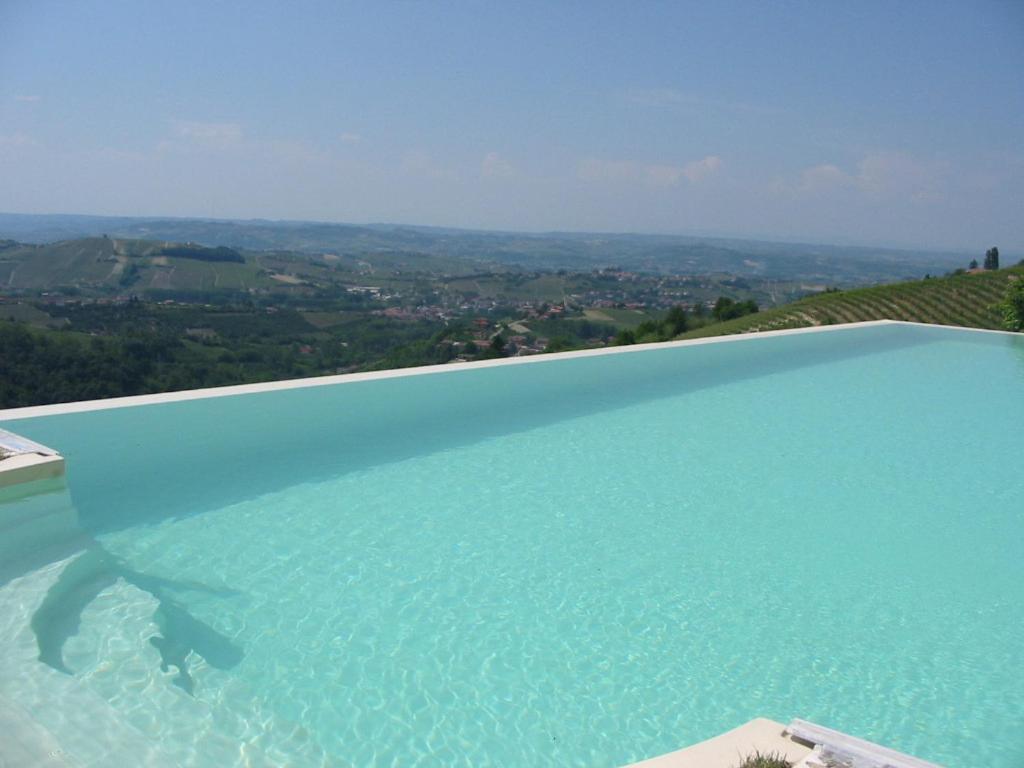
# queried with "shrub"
point(624, 337)
point(769, 760)
point(1012, 306)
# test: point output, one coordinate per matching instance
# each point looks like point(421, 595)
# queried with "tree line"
point(679, 321)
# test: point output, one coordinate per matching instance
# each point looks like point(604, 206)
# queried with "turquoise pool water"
point(583, 561)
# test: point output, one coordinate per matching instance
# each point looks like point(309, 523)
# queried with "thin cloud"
point(17, 146)
point(350, 138)
point(825, 176)
point(225, 133)
point(657, 97)
point(594, 169)
point(667, 98)
point(495, 166)
point(660, 175)
point(16, 140)
point(878, 175)
point(28, 99)
point(422, 164)
point(701, 169)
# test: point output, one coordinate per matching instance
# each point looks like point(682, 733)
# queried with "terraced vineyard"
point(965, 299)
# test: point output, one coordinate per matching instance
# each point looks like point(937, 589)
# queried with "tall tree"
point(676, 321)
point(992, 258)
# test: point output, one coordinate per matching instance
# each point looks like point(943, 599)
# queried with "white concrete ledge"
point(731, 748)
point(320, 381)
point(33, 411)
point(27, 467)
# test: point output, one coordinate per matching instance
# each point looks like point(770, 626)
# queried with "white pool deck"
point(730, 748)
point(26, 743)
point(801, 743)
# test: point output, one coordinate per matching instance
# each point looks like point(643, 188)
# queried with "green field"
point(621, 318)
point(965, 300)
point(512, 287)
point(26, 313)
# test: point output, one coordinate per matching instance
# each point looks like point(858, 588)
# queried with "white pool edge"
point(28, 412)
point(802, 744)
point(29, 467)
point(727, 750)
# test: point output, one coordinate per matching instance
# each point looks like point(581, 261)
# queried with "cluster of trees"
point(135, 348)
point(201, 253)
point(677, 321)
point(38, 367)
point(570, 333)
point(991, 259)
point(727, 309)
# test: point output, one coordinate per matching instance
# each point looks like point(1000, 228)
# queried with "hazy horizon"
point(869, 125)
point(754, 238)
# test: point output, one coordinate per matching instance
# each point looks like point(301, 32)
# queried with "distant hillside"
point(964, 299)
point(814, 264)
point(106, 264)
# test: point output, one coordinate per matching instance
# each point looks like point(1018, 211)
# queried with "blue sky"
point(887, 123)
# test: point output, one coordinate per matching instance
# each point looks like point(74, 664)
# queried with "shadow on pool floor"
point(59, 616)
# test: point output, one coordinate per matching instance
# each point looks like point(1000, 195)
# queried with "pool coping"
point(82, 406)
point(729, 749)
point(28, 467)
point(802, 744)
point(24, 461)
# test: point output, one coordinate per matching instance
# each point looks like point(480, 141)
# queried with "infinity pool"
point(578, 561)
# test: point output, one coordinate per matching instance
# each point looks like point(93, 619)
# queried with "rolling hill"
point(106, 264)
point(963, 299)
point(101, 263)
point(814, 264)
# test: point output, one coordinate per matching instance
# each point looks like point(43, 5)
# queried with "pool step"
point(834, 748)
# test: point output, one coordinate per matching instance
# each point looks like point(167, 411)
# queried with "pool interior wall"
point(198, 475)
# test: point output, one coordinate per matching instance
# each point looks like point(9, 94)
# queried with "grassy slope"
point(621, 318)
point(955, 300)
point(26, 313)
